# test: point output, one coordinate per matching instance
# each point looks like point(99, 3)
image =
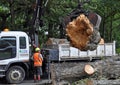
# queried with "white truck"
point(15, 54)
point(15, 50)
point(66, 52)
point(61, 50)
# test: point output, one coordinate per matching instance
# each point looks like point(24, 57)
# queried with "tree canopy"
point(17, 15)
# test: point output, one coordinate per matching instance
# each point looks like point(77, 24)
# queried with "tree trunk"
point(67, 70)
point(83, 34)
point(108, 68)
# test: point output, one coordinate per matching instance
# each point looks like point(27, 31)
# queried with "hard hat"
point(37, 49)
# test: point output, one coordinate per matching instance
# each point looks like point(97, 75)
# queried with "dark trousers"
point(38, 70)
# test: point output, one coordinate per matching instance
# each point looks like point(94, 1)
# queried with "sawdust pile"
point(79, 32)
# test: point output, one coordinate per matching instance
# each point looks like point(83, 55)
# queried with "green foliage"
point(86, 81)
point(118, 50)
point(17, 14)
point(4, 9)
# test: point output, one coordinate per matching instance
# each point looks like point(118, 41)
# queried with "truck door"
point(7, 47)
point(23, 48)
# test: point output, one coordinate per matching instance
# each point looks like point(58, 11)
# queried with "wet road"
point(27, 82)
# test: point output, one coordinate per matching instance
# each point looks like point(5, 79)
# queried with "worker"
point(38, 59)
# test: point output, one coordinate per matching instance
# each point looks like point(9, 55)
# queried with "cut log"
point(72, 70)
point(82, 33)
point(53, 77)
point(108, 68)
point(89, 69)
point(97, 82)
point(106, 82)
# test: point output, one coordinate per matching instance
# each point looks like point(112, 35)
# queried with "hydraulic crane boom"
point(36, 23)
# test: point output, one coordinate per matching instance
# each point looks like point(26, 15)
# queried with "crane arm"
point(36, 23)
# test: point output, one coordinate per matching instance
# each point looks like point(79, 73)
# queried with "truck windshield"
point(7, 47)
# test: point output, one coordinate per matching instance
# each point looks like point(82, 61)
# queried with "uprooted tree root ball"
point(79, 32)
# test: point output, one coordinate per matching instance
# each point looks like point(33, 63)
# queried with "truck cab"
point(14, 55)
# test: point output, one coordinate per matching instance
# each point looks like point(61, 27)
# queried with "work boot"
point(35, 81)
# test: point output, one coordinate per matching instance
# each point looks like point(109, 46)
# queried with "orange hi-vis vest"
point(37, 59)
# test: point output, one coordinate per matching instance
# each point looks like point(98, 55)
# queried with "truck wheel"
point(15, 74)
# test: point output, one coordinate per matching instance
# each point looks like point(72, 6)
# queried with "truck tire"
point(15, 74)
